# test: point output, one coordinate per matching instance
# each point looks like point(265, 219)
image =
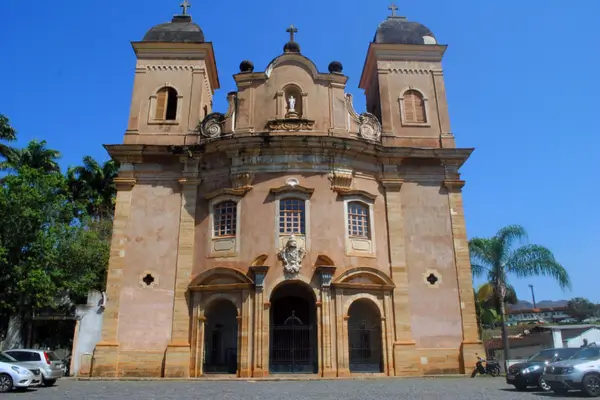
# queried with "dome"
point(181, 29)
point(398, 30)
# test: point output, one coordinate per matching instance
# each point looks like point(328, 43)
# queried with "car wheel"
point(6, 383)
point(520, 387)
point(48, 382)
point(543, 385)
point(591, 385)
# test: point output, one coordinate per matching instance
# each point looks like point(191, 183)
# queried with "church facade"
point(290, 233)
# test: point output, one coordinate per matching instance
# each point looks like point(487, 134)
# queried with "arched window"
point(414, 107)
point(225, 218)
point(166, 104)
point(358, 220)
point(292, 216)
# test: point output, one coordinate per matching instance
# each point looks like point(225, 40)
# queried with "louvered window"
point(414, 107)
point(166, 104)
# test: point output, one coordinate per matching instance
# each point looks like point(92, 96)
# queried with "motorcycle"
point(491, 367)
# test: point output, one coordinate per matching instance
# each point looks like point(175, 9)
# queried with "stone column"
point(245, 348)
point(106, 354)
point(177, 358)
point(260, 330)
point(404, 345)
point(328, 369)
point(471, 343)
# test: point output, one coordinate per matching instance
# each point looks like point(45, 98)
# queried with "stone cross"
point(291, 30)
point(393, 8)
point(185, 5)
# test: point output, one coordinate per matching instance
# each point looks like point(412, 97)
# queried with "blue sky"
point(521, 78)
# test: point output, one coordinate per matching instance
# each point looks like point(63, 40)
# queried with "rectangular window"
point(225, 219)
point(291, 216)
point(358, 220)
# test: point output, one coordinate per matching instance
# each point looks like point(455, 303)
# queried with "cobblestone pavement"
point(367, 389)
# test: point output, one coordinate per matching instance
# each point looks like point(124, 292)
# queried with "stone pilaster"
point(177, 358)
point(106, 354)
point(327, 370)
point(245, 350)
point(260, 329)
point(471, 343)
point(404, 345)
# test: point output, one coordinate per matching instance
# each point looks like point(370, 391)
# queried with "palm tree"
point(487, 306)
point(36, 155)
point(7, 133)
point(93, 185)
point(498, 257)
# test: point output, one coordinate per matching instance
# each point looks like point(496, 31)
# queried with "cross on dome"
point(185, 5)
point(292, 30)
point(393, 8)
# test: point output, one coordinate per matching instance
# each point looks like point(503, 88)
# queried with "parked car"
point(37, 380)
point(580, 372)
point(48, 363)
point(13, 376)
point(529, 373)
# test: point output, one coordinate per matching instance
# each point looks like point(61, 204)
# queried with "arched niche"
point(294, 100)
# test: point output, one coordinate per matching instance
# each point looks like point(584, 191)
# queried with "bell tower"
point(404, 84)
point(175, 78)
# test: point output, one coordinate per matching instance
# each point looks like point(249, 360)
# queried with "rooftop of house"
point(536, 310)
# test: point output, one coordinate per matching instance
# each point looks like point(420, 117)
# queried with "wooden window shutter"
point(419, 108)
point(409, 107)
point(161, 104)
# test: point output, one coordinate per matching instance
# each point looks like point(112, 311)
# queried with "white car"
point(13, 376)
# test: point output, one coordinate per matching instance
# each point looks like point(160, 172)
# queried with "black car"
point(529, 373)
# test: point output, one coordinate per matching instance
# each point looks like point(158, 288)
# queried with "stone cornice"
point(238, 192)
point(295, 144)
point(292, 189)
point(125, 183)
point(397, 52)
point(454, 186)
point(350, 192)
point(180, 51)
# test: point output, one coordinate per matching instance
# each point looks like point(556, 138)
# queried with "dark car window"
point(543, 356)
point(6, 358)
point(18, 355)
point(52, 356)
point(589, 353)
point(565, 353)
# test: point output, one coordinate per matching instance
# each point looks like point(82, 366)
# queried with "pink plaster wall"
point(435, 312)
point(145, 314)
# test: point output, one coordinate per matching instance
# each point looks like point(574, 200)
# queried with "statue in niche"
point(292, 256)
point(292, 104)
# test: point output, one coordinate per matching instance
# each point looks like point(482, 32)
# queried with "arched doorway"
point(221, 338)
point(293, 333)
point(364, 337)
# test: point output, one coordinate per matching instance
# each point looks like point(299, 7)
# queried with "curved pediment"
point(220, 276)
point(364, 276)
point(295, 60)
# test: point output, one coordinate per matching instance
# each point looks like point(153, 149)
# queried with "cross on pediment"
point(393, 8)
point(292, 30)
point(185, 5)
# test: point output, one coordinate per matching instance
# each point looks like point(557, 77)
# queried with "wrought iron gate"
point(365, 349)
point(292, 348)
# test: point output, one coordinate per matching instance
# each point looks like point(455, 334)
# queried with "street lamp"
point(532, 296)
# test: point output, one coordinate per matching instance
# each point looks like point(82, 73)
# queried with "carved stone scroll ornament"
point(290, 124)
point(292, 256)
point(369, 126)
point(211, 126)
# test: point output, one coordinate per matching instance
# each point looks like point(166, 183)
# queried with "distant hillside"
point(539, 304)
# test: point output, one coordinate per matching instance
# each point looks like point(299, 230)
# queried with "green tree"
point(581, 308)
point(498, 257)
point(8, 134)
point(92, 185)
point(36, 155)
point(48, 257)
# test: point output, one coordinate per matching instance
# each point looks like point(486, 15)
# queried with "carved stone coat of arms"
point(292, 256)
